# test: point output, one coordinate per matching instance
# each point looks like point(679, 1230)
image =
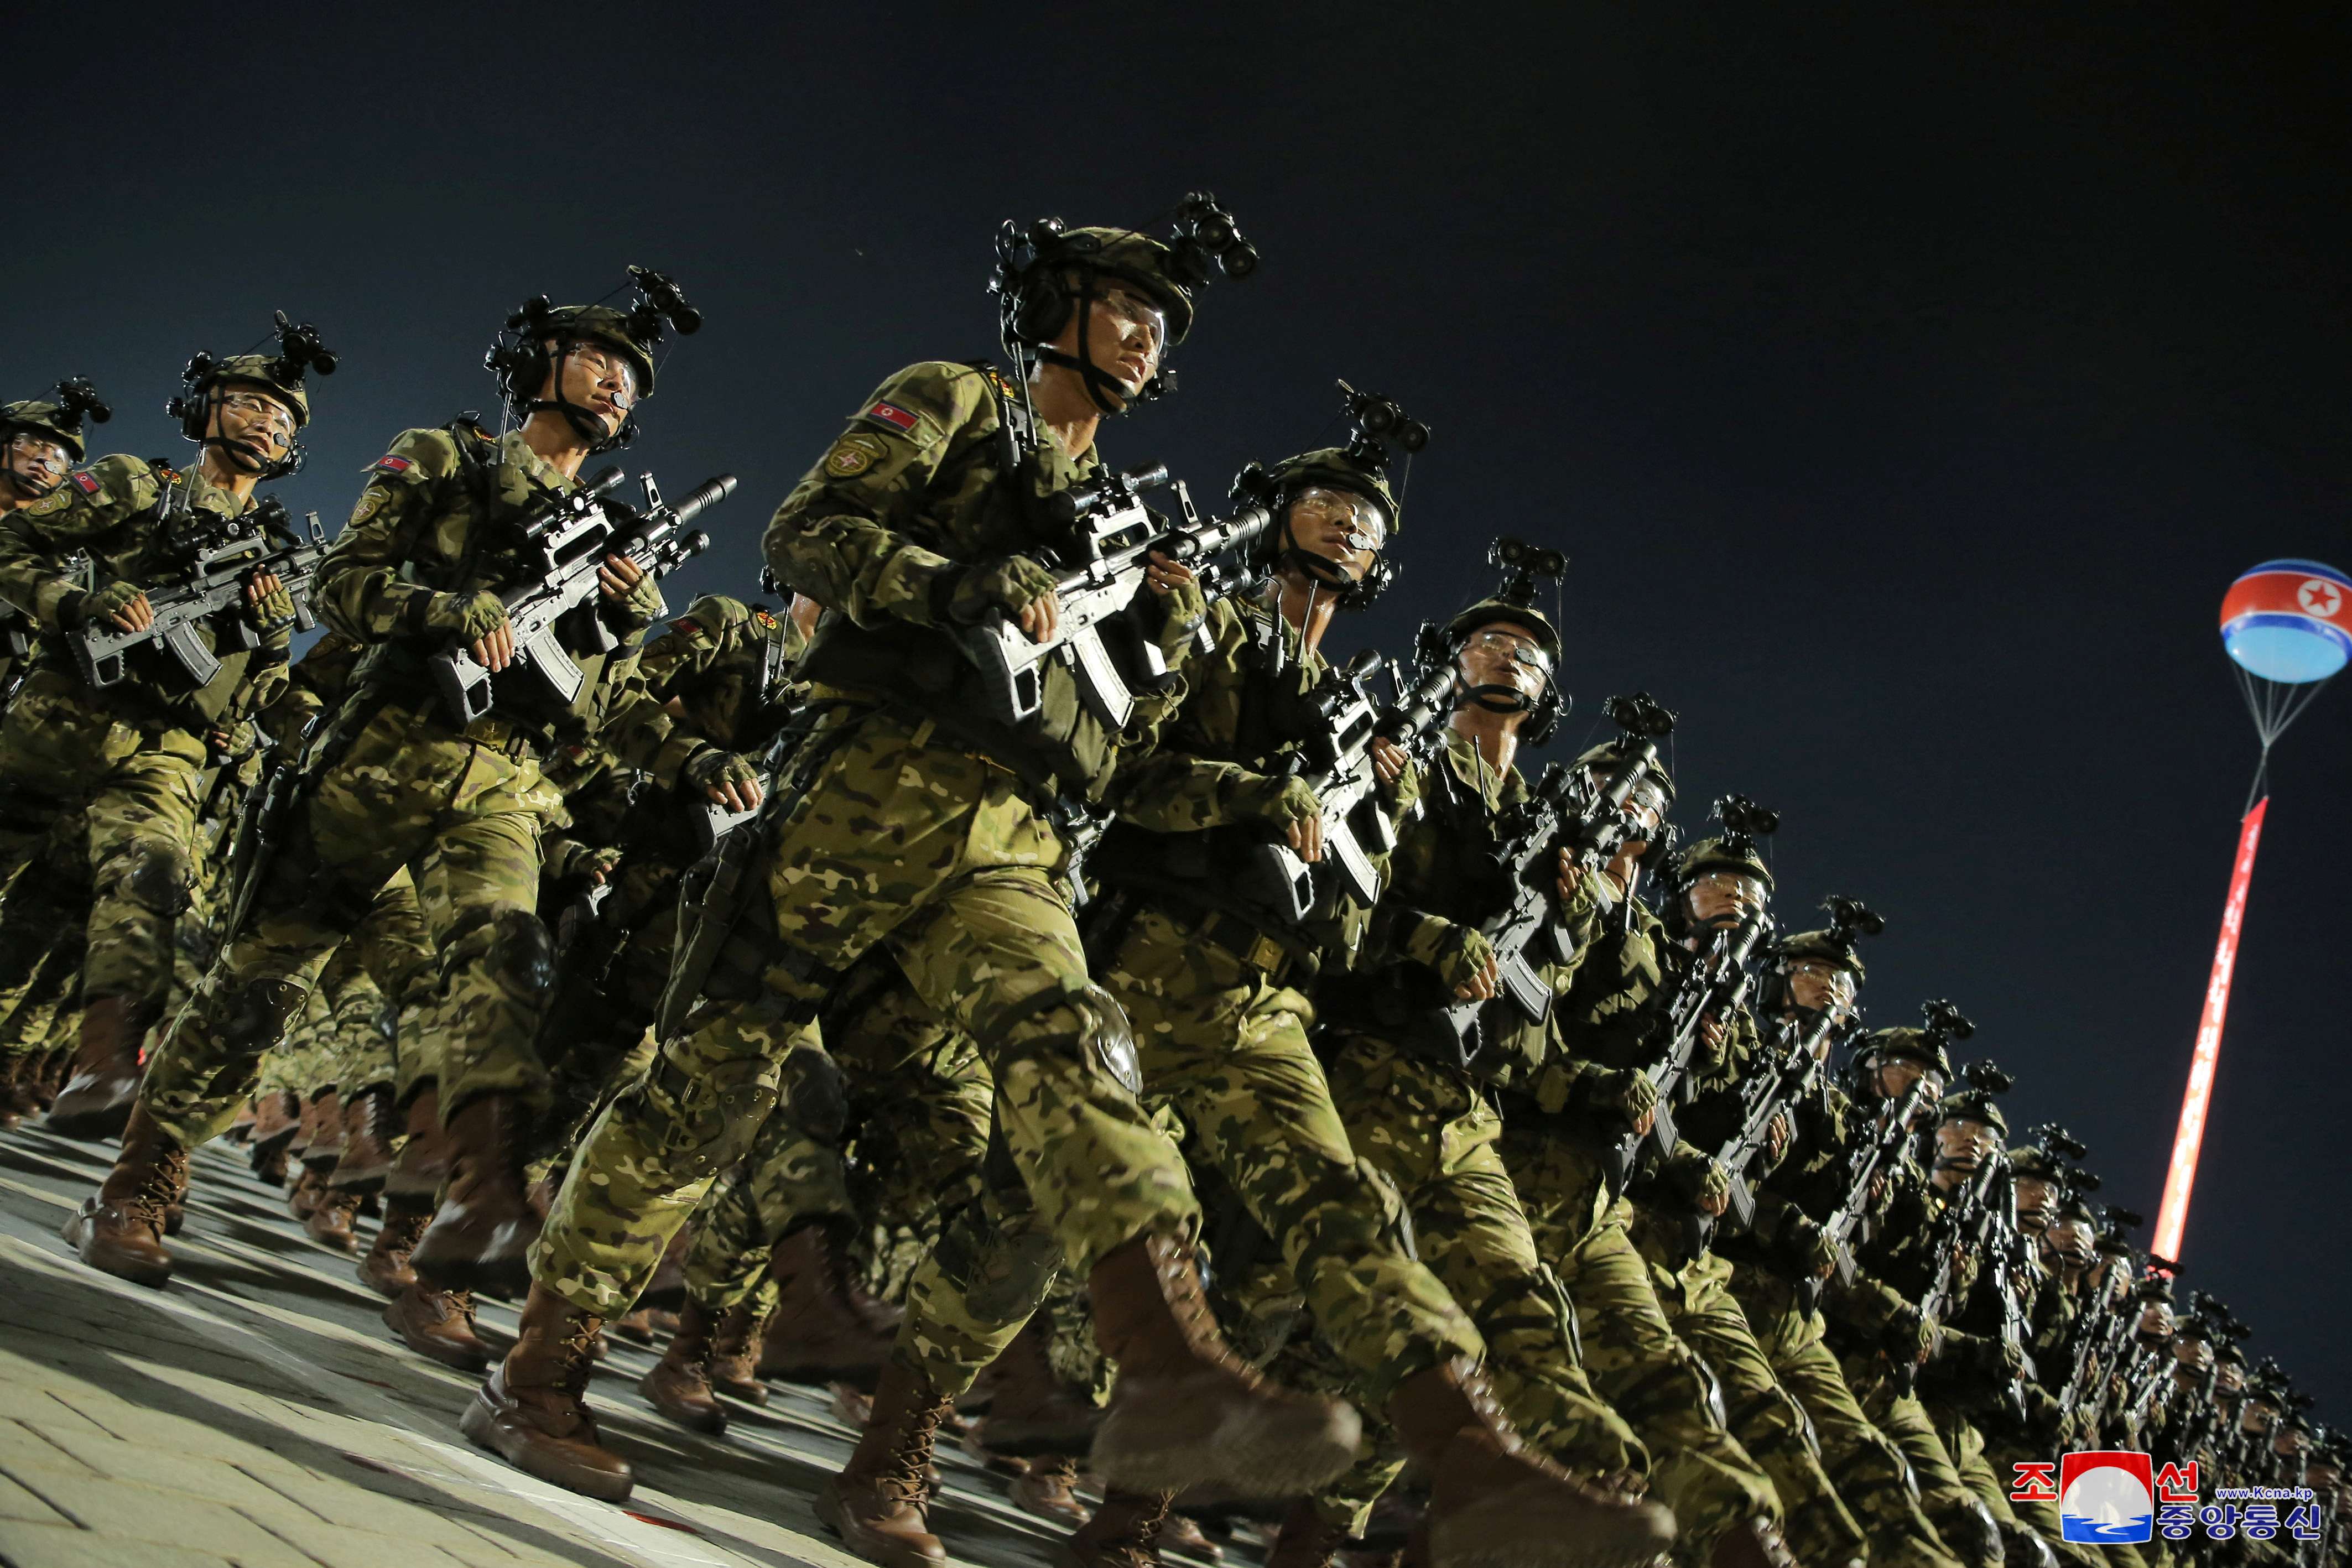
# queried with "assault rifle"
point(1865, 1160)
point(1805, 1049)
point(216, 564)
point(1566, 811)
point(1338, 756)
point(2005, 1263)
point(1113, 536)
point(556, 603)
point(1714, 986)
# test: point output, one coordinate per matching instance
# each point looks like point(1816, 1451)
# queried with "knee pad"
point(817, 1097)
point(2021, 1548)
point(152, 873)
point(513, 944)
point(1003, 1269)
point(1083, 1021)
point(709, 1114)
point(259, 1013)
point(1793, 1415)
point(1975, 1535)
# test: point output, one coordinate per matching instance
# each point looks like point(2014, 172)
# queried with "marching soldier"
point(132, 756)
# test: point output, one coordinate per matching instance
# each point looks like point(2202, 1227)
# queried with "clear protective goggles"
point(605, 361)
point(1131, 309)
point(1737, 885)
point(267, 412)
point(1367, 529)
point(1836, 980)
point(1502, 639)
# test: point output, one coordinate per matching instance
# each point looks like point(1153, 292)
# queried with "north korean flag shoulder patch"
point(891, 414)
point(87, 483)
point(686, 628)
point(389, 463)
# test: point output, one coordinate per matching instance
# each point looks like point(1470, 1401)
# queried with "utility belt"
point(1249, 945)
point(918, 674)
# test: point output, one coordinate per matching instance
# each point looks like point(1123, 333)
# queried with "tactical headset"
point(299, 351)
point(521, 361)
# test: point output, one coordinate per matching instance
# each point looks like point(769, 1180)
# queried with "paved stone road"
point(258, 1413)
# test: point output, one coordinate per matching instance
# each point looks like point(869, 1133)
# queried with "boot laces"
point(159, 1184)
point(901, 1476)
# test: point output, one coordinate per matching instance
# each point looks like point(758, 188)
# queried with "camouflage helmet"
point(1727, 852)
point(1973, 1105)
point(1137, 259)
point(2033, 1160)
point(59, 420)
point(265, 371)
point(2074, 1206)
point(542, 323)
point(1822, 946)
point(1906, 1044)
point(1487, 612)
point(1606, 756)
point(520, 361)
point(1339, 468)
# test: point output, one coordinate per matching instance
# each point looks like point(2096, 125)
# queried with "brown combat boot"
point(329, 1224)
point(275, 1119)
point(1123, 1533)
point(1185, 1409)
point(679, 1383)
point(28, 1094)
point(322, 1132)
point(1049, 1489)
point(1179, 1534)
point(96, 1101)
point(384, 1268)
point(1495, 1505)
point(1752, 1544)
point(480, 1237)
point(370, 1129)
point(1307, 1540)
point(424, 1162)
point(824, 1329)
point(303, 1197)
point(533, 1411)
point(876, 1503)
point(1031, 1411)
point(735, 1357)
point(437, 1325)
point(120, 1231)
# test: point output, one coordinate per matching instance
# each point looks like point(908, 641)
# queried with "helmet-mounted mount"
point(283, 375)
point(1046, 270)
point(521, 358)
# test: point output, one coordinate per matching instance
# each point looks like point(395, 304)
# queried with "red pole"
point(2182, 1177)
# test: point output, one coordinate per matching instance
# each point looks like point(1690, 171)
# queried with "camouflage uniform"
point(1865, 1466)
point(907, 818)
point(1429, 1123)
point(393, 783)
point(129, 756)
point(1554, 1138)
point(1696, 1295)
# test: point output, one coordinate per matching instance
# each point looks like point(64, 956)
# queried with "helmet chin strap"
point(1097, 380)
point(30, 489)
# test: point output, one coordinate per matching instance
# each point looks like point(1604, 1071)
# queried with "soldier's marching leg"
point(1767, 1422)
point(1965, 1523)
point(44, 921)
point(142, 828)
point(478, 888)
point(1724, 1503)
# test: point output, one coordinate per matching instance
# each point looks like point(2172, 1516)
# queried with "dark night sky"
point(1907, 385)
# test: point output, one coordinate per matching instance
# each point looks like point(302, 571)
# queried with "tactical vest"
point(493, 560)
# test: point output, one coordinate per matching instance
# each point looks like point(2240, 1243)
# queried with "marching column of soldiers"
point(1022, 981)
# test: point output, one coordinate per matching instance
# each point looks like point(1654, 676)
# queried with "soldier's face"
point(1819, 987)
point(1125, 333)
point(594, 377)
point(2230, 1379)
point(37, 462)
point(1506, 654)
point(2033, 1198)
point(1722, 899)
point(1962, 1145)
point(2195, 1354)
point(2066, 1243)
point(255, 429)
point(1337, 524)
point(1897, 1074)
point(2155, 1322)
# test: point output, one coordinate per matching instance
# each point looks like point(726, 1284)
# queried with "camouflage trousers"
point(463, 819)
point(940, 858)
point(1867, 1470)
point(1434, 1134)
point(1768, 1421)
point(1959, 1516)
point(608, 983)
point(139, 786)
point(889, 1129)
point(1227, 1048)
point(1965, 1442)
point(1649, 1377)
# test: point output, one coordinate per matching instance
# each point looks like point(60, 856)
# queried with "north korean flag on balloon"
point(2289, 620)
